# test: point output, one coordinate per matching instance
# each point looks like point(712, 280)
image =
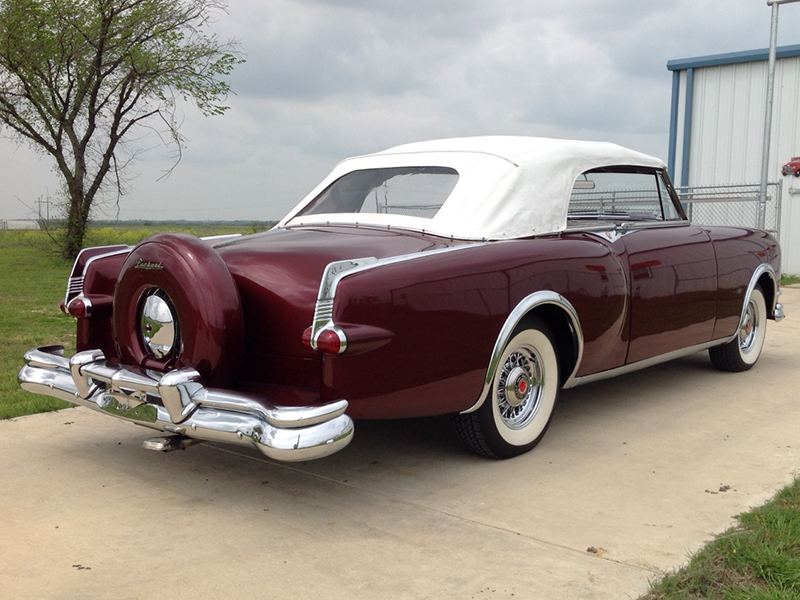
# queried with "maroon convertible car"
point(474, 277)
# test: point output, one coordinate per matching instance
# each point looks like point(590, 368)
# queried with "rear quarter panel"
point(445, 312)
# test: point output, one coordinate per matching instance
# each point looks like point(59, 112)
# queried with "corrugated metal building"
point(716, 137)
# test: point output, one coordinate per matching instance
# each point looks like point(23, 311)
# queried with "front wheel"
point(516, 414)
point(742, 352)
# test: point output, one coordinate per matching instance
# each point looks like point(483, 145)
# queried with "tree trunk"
point(76, 228)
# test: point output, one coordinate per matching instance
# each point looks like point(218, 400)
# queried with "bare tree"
point(78, 77)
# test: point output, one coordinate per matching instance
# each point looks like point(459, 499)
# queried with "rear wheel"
point(515, 415)
point(742, 352)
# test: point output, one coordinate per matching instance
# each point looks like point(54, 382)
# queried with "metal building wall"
point(718, 140)
point(717, 128)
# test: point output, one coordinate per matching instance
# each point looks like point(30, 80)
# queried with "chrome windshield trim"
point(520, 311)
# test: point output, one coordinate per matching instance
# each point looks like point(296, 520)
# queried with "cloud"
point(316, 50)
point(327, 79)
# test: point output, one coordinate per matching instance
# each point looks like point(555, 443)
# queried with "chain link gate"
point(732, 205)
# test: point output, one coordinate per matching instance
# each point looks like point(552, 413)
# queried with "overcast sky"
point(327, 79)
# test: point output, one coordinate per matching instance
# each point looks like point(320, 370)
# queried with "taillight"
point(80, 307)
point(330, 340)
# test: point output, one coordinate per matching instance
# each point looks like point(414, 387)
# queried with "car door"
point(673, 289)
point(671, 266)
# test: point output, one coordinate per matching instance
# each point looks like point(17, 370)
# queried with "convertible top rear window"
point(408, 191)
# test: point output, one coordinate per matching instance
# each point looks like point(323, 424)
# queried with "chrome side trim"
point(74, 288)
point(776, 306)
point(189, 408)
point(642, 364)
point(338, 270)
point(519, 312)
point(221, 237)
point(323, 311)
point(626, 226)
point(589, 228)
point(75, 281)
point(629, 225)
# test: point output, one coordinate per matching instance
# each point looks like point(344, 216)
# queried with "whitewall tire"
point(742, 352)
point(515, 415)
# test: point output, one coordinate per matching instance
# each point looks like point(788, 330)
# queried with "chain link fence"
point(732, 205)
point(18, 224)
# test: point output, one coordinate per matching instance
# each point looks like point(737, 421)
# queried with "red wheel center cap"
point(522, 386)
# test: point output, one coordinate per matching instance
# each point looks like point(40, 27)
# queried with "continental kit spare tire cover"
point(176, 305)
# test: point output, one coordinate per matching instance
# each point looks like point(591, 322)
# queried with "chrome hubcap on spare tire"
point(159, 323)
point(519, 388)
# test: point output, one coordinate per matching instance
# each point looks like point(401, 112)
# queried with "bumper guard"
point(191, 410)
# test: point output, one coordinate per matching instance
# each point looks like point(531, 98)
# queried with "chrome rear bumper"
point(778, 313)
point(189, 409)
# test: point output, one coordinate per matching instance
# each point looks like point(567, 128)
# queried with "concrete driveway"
point(633, 475)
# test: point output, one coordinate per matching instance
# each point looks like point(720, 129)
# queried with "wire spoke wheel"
point(518, 390)
point(515, 415)
point(742, 352)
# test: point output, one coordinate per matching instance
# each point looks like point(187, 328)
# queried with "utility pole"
point(773, 42)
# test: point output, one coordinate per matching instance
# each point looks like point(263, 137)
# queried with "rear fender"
point(529, 306)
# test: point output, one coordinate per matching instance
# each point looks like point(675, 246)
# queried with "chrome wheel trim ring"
point(748, 331)
point(519, 388)
point(158, 326)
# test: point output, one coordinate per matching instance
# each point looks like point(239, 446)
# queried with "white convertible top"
point(508, 187)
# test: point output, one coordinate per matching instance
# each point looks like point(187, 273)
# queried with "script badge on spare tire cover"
point(159, 325)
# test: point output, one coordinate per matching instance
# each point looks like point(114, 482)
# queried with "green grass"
point(758, 559)
point(34, 280)
point(789, 279)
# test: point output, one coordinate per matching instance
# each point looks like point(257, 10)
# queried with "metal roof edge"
point(731, 58)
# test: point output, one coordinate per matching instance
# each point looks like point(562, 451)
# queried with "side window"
point(621, 194)
point(668, 207)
